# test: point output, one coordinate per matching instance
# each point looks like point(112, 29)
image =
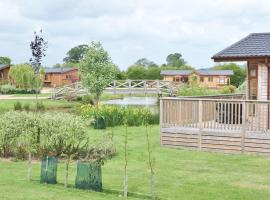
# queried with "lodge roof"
point(203, 72)
point(61, 70)
point(3, 66)
point(255, 45)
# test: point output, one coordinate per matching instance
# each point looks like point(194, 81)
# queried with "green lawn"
point(180, 174)
point(6, 105)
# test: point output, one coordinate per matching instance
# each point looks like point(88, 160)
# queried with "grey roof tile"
point(2, 66)
point(58, 70)
point(254, 45)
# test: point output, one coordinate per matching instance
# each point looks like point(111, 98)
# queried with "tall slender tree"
point(38, 48)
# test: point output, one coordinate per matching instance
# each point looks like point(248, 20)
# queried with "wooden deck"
point(230, 126)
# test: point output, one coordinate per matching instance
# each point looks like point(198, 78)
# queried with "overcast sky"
point(131, 29)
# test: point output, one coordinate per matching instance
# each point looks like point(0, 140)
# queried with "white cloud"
point(131, 29)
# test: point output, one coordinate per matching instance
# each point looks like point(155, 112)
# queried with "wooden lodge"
point(4, 69)
point(55, 77)
point(214, 79)
point(226, 125)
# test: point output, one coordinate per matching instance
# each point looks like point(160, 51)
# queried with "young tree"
point(23, 76)
point(97, 69)
point(175, 60)
point(5, 60)
point(126, 162)
point(38, 48)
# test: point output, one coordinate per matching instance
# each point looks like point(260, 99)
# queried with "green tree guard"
point(89, 176)
point(48, 170)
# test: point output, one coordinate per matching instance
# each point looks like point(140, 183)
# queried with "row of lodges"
point(55, 77)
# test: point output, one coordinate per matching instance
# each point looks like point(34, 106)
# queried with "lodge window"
point(176, 79)
point(46, 77)
point(222, 80)
point(210, 79)
point(201, 79)
point(1, 75)
point(68, 76)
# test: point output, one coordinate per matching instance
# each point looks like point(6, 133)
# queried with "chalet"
point(255, 50)
point(55, 77)
point(220, 124)
point(4, 69)
point(209, 78)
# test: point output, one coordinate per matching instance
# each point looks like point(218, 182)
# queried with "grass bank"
point(180, 174)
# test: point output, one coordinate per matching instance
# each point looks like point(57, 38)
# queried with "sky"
point(131, 29)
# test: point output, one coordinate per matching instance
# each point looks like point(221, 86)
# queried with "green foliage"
point(5, 60)
point(76, 54)
point(26, 106)
point(17, 106)
point(59, 134)
point(116, 116)
point(97, 69)
point(194, 89)
point(175, 60)
point(11, 89)
point(23, 77)
point(137, 72)
point(242, 88)
point(239, 75)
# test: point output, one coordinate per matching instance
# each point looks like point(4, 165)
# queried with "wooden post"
point(243, 131)
point(158, 87)
point(145, 87)
point(114, 87)
point(160, 119)
point(200, 125)
point(129, 86)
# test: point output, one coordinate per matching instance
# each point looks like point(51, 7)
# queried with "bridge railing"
point(123, 87)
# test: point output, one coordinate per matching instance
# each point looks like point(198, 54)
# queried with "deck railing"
point(216, 124)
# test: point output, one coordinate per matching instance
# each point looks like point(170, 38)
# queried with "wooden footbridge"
point(158, 87)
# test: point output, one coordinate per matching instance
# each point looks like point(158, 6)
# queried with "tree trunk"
point(29, 166)
point(125, 169)
point(66, 172)
point(152, 184)
point(125, 183)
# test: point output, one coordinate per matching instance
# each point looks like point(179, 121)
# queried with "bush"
point(17, 106)
point(40, 106)
point(116, 116)
point(11, 89)
point(228, 89)
point(8, 89)
point(26, 107)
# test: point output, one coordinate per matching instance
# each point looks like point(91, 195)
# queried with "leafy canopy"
point(97, 69)
point(76, 54)
point(5, 60)
point(239, 75)
point(175, 60)
point(23, 76)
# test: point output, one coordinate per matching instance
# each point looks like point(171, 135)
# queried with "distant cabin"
point(55, 77)
point(4, 69)
point(210, 78)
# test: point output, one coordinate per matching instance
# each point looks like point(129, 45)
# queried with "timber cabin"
point(214, 79)
point(55, 77)
point(4, 69)
point(222, 124)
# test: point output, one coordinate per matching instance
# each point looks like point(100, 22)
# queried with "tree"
point(145, 63)
point(239, 73)
point(175, 60)
point(76, 54)
point(136, 72)
point(38, 48)
point(23, 76)
point(97, 69)
point(5, 60)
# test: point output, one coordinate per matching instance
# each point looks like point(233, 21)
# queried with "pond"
point(135, 101)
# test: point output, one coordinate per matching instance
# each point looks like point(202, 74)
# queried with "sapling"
point(151, 163)
point(125, 162)
point(38, 48)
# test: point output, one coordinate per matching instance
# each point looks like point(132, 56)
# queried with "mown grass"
point(180, 174)
point(6, 105)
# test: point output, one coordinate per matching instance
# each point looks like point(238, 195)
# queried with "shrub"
point(8, 89)
point(26, 107)
point(17, 106)
point(40, 106)
point(228, 89)
point(116, 116)
point(11, 89)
